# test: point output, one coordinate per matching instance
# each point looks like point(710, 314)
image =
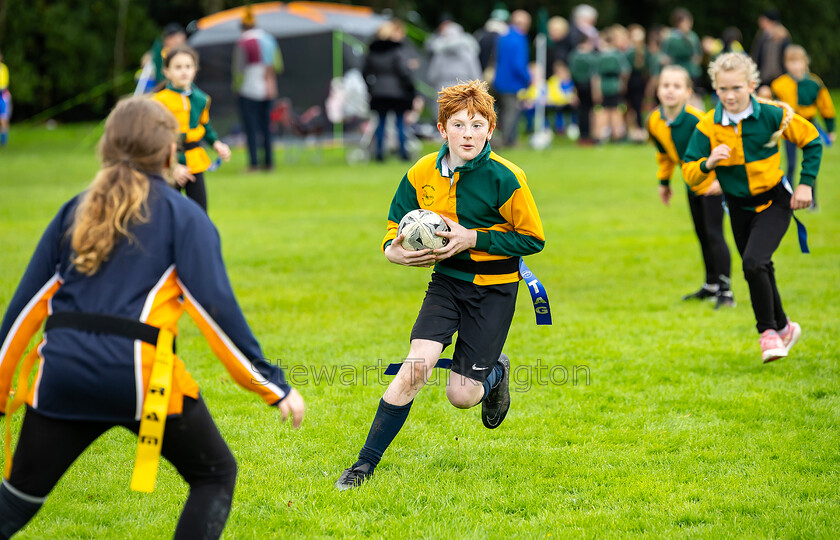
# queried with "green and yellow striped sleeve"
point(803, 133)
point(699, 147)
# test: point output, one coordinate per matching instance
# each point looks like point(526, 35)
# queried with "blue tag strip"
point(393, 369)
point(823, 135)
point(803, 235)
point(215, 165)
point(538, 294)
point(801, 231)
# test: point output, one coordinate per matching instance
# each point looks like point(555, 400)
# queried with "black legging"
point(757, 236)
point(584, 109)
point(197, 190)
point(707, 214)
point(636, 96)
point(192, 443)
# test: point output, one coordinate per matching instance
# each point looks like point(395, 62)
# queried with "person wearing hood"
point(388, 77)
point(454, 57)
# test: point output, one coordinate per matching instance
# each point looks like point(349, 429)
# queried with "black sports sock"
point(387, 423)
point(724, 282)
point(493, 379)
point(16, 509)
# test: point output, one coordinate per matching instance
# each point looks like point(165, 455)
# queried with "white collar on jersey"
point(729, 118)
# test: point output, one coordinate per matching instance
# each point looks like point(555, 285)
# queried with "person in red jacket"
point(112, 274)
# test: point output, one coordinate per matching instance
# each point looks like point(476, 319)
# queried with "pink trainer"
point(772, 347)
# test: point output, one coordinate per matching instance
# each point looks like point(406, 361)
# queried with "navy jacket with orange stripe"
point(174, 263)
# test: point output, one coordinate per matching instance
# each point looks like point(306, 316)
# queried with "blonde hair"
point(733, 62)
point(741, 62)
point(386, 31)
point(472, 96)
point(793, 51)
point(676, 68)
point(558, 25)
point(138, 139)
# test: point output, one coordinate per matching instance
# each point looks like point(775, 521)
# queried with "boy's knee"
point(461, 397)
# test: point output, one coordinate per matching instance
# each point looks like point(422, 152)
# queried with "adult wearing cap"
point(256, 64)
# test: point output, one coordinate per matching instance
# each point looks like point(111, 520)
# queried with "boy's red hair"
point(472, 96)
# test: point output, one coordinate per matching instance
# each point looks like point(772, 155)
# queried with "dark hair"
point(679, 15)
point(730, 34)
point(771, 14)
point(173, 28)
point(180, 49)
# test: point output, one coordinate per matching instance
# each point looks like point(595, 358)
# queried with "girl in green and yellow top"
point(191, 107)
point(670, 127)
point(807, 94)
point(739, 141)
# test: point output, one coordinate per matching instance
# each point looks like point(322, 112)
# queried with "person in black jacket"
point(389, 82)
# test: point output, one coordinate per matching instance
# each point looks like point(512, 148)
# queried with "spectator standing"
point(768, 48)
point(611, 83)
point(487, 38)
point(454, 57)
point(582, 65)
point(639, 59)
point(512, 72)
point(681, 44)
point(388, 77)
point(256, 64)
point(559, 46)
point(584, 19)
point(682, 47)
point(657, 61)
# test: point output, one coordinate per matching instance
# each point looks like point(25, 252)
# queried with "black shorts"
point(481, 314)
point(611, 101)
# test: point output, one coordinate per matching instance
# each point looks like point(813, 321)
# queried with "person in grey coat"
point(454, 57)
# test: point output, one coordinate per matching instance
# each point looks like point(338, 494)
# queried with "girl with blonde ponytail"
point(112, 274)
point(117, 196)
point(739, 140)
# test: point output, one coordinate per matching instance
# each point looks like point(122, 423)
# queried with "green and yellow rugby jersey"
point(752, 168)
point(671, 141)
point(806, 97)
point(488, 194)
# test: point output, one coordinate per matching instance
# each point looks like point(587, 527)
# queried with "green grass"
point(680, 430)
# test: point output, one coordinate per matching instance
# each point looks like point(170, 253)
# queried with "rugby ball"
point(418, 228)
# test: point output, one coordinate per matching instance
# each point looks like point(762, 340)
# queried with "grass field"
point(665, 424)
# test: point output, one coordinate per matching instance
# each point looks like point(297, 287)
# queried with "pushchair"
point(300, 131)
point(348, 103)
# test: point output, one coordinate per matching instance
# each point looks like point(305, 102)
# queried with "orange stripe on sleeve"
point(26, 325)
point(239, 367)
